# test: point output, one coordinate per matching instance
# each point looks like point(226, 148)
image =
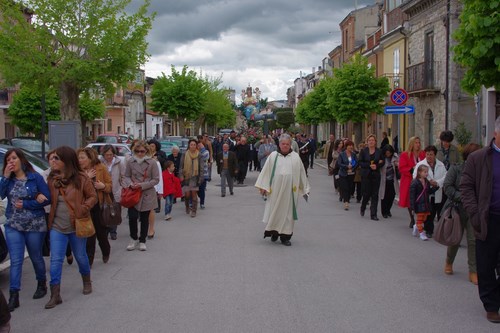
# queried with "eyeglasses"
point(55, 158)
point(139, 151)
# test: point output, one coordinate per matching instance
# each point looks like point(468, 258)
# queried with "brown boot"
point(473, 277)
point(448, 269)
point(55, 296)
point(87, 284)
point(194, 206)
point(186, 201)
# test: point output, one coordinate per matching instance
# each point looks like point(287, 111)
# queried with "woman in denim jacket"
point(27, 194)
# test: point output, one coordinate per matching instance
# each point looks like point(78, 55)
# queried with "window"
point(392, 4)
point(395, 69)
point(110, 125)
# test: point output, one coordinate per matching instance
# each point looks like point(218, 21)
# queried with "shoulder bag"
point(84, 226)
point(449, 230)
point(111, 213)
point(131, 196)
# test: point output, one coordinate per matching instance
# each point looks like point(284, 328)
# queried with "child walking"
point(420, 190)
point(171, 188)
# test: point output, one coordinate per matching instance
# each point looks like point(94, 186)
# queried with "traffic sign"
point(404, 109)
point(399, 96)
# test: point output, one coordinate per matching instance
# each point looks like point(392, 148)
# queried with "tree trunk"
point(70, 95)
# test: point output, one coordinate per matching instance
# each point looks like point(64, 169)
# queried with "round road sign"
point(399, 96)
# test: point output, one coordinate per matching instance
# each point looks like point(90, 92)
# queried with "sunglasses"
point(139, 151)
point(55, 158)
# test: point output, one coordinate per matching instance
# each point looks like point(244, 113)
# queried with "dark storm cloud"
point(257, 39)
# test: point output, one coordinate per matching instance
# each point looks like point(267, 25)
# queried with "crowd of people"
point(78, 183)
point(427, 181)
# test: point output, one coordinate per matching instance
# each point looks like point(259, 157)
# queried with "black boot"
point(41, 290)
point(13, 300)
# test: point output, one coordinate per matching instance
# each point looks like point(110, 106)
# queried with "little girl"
point(420, 189)
point(171, 188)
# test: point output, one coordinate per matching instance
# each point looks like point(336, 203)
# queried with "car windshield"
point(106, 139)
point(29, 144)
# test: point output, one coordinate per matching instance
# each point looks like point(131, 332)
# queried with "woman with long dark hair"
point(98, 173)
point(389, 185)
point(348, 163)
point(25, 226)
point(73, 196)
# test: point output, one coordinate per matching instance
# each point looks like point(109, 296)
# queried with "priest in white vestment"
point(283, 179)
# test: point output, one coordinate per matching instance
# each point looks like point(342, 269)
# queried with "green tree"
point(217, 109)
point(181, 95)
point(72, 45)
point(313, 108)
point(354, 92)
point(25, 110)
point(284, 117)
point(478, 48)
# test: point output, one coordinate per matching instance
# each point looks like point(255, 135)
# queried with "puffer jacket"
point(81, 199)
point(419, 197)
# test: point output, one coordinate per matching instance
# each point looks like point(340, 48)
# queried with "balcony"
point(425, 78)
point(396, 80)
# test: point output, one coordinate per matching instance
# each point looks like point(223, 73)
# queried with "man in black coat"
point(227, 168)
point(243, 156)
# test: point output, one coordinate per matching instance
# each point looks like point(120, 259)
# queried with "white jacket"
point(438, 175)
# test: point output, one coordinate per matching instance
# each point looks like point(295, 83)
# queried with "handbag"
point(84, 226)
point(449, 230)
point(131, 196)
point(111, 213)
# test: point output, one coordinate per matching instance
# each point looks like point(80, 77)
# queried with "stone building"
point(432, 78)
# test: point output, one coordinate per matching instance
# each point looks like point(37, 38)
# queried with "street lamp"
point(143, 96)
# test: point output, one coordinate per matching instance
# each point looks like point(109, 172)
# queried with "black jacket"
point(232, 163)
point(419, 198)
point(365, 162)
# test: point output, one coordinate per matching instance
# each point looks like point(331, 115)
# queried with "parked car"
point(179, 141)
point(108, 138)
point(125, 138)
point(28, 143)
point(167, 146)
point(122, 149)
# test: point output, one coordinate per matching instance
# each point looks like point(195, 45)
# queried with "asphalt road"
point(215, 273)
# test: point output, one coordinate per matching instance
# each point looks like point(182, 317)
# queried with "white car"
point(122, 149)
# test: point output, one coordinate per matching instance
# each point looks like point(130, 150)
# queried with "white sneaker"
point(167, 217)
point(142, 246)
point(423, 236)
point(132, 245)
point(415, 231)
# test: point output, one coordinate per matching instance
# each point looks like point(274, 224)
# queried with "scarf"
point(191, 169)
point(58, 180)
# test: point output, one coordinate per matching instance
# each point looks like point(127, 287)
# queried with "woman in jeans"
point(348, 163)
point(98, 173)
point(25, 226)
point(451, 188)
point(141, 172)
point(73, 196)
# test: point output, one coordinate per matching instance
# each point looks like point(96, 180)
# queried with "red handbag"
point(131, 196)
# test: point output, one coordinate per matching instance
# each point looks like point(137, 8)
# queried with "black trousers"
point(359, 191)
point(389, 195)
point(346, 185)
point(371, 185)
point(311, 163)
point(429, 223)
point(133, 215)
point(242, 172)
point(487, 256)
point(101, 234)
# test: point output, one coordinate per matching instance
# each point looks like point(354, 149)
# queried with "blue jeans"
point(201, 191)
point(58, 244)
point(16, 242)
point(169, 200)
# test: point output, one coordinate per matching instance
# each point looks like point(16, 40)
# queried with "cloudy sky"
point(262, 43)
